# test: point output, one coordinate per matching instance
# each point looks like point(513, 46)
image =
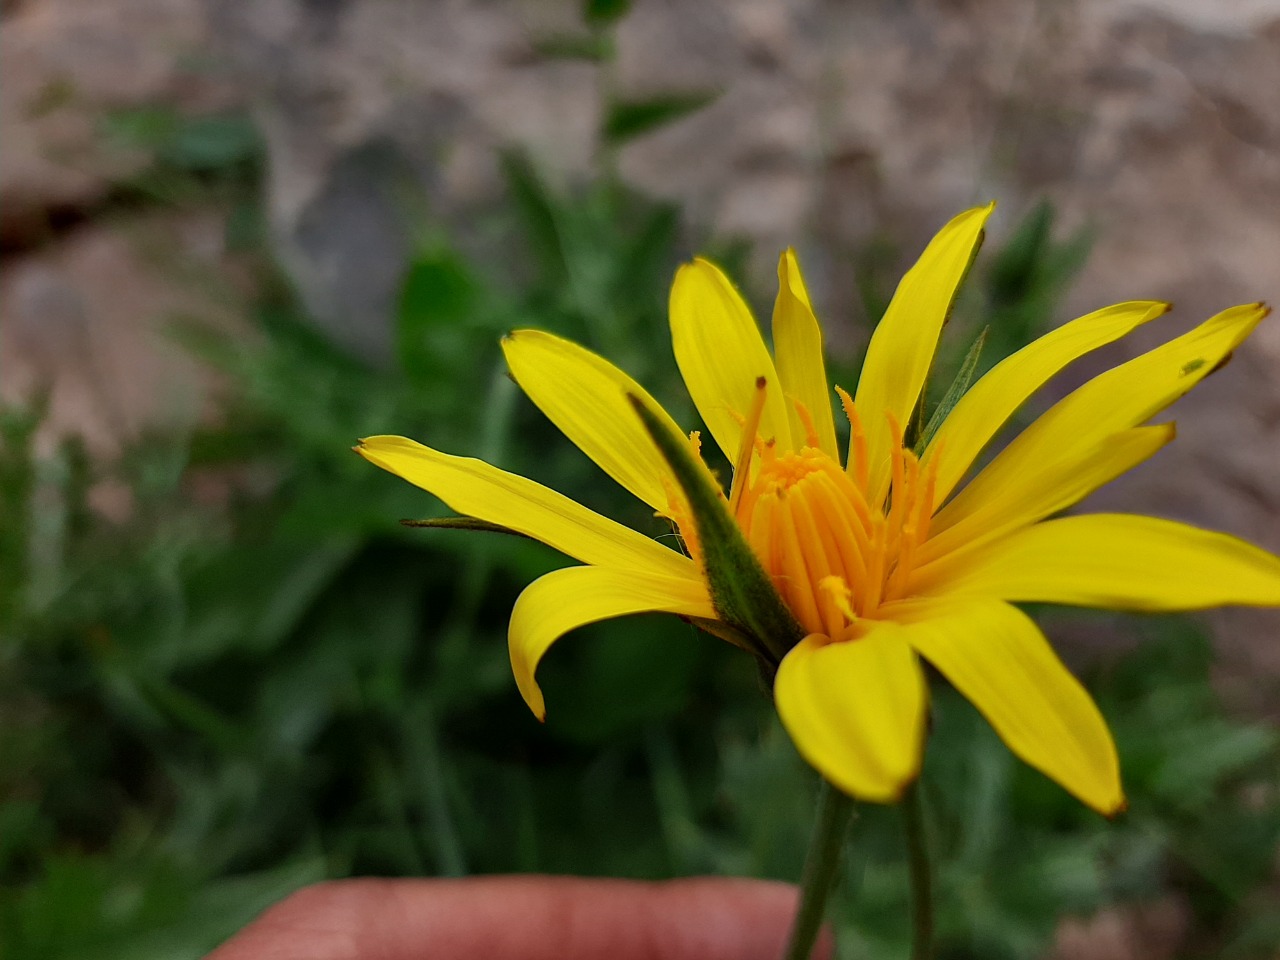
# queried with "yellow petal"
point(797, 346)
point(1117, 400)
point(565, 599)
point(1110, 560)
point(902, 347)
point(1043, 488)
point(586, 397)
point(994, 655)
point(475, 489)
point(856, 710)
point(721, 355)
point(983, 410)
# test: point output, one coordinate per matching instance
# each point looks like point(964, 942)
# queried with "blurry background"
point(237, 236)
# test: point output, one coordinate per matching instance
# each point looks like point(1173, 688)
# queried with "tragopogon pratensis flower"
point(841, 568)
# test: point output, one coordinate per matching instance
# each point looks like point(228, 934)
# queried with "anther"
point(857, 464)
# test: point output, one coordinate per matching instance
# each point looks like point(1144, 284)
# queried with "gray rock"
point(87, 319)
point(64, 66)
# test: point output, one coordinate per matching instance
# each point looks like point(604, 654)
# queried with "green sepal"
point(463, 523)
point(741, 590)
point(959, 387)
point(723, 631)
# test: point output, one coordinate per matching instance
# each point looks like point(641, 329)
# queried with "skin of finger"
point(525, 918)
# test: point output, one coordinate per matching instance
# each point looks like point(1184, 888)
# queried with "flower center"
point(834, 555)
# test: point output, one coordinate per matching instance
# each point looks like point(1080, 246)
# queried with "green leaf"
point(1202, 757)
point(209, 143)
point(1017, 267)
point(118, 907)
point(646, 261)
point(250, 598)
point(602, 13)
point(439, 294)
point(741, 590)
point(959, 386)
point(649, 658)
point(593, 48)
point(198, 144)
point(1026, 278)
point(539, 214)
point(147, 128)
point(628, 119)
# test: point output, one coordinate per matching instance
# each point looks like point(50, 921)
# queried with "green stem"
point(921, 874)
point(821, 868)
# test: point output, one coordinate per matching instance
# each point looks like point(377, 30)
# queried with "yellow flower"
point(877, 559)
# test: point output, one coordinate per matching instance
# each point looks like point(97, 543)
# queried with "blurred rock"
point(64, 66)
point(1152, 121)
point(89, 319)
point(1153, 931)
point(374, 112)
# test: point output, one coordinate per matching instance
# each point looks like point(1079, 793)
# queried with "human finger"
point(525, 918)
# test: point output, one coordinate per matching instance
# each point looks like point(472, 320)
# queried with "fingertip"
point(316, 922)
point(733, 919)
point(528, 917)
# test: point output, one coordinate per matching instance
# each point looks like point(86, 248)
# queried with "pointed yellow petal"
point(1039, 489)
point(562, 600)
point(476, 489)
point(797, 346)
point(1116, 400)
point(1110, 560)
point(902, 347)
point(586, 397)
point(721, 355)
point(994, 655)
point(856, 710)
point(992, 400)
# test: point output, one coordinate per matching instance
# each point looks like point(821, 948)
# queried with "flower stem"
point(921, 874)
point(821, 868)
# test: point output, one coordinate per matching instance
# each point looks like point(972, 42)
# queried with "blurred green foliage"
point(631, 118)
point(220, 697)
point(214, 157)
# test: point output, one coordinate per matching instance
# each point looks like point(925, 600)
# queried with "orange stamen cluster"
point(833, 555)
